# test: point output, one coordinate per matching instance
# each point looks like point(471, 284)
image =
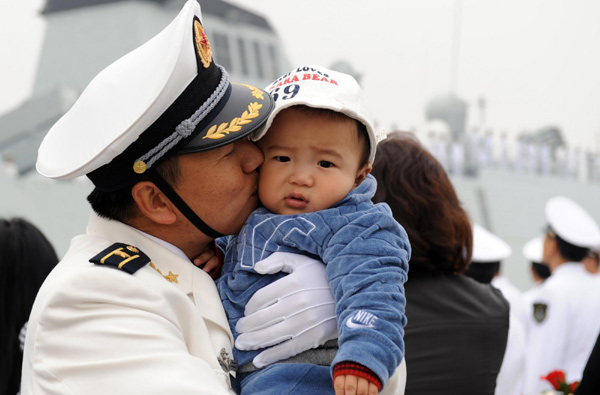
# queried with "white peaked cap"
point(64, 154)
point(165, 97)
point(487, 247)
point(533, 250)
point(572, 223)
point(319, 87)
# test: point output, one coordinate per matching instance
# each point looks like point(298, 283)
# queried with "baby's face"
point(311, 163)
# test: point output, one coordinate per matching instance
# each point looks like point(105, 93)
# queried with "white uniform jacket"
point(99, 330)
point(563, 326)
point(510, 376)
point(513, 296)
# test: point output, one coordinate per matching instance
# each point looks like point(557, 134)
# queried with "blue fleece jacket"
point(366, 252)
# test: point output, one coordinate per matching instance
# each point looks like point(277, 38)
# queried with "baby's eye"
point(282, 158)
point(326, 164)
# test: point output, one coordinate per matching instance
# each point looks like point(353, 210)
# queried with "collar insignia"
point(171, 277)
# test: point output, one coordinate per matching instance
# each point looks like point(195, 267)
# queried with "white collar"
point(167, 245)
point(570, 267)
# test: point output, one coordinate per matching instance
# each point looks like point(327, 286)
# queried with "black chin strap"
point(182, 206)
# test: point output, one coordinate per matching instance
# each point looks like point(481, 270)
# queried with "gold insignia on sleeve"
point(171, 277)
point(202, 44)
point(540, 311)
point(122, 256)
point(236, 123)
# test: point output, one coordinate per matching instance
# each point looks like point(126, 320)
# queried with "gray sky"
point(536, 62)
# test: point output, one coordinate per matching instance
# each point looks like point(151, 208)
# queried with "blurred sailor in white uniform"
point(532, 251)
point(564, 318)
point(488, 253)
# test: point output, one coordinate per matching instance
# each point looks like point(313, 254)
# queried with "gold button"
point(139, 167)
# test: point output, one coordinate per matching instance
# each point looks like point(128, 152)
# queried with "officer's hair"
point(361, 129)
point(26, 259)
point(483, 272)
point(119, 205)
point(542, 270)
point(569, 251)
point(417, 189)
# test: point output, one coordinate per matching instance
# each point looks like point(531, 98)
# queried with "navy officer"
point(162, 134)
point(563, 322)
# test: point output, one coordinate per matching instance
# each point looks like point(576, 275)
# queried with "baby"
point(315, 189)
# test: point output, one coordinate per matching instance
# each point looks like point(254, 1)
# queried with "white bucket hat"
point(319, 87)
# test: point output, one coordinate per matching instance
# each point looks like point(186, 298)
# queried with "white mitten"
point(293, 314)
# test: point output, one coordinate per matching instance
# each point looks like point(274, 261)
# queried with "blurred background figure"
point(504, 161)
point(26, 258)
point(545, 151)
point(488, 253)
point(532, 251)
point(472, 152)
point(564, 321)
point(487, 150)
point(571, 162)
point(457, 328)
point(457, 158)
point(520, 156)
point(590, 262)
point(532, 157)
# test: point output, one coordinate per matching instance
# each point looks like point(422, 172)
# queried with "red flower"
point(559, 382)
point(556, 378)
point(573, 386)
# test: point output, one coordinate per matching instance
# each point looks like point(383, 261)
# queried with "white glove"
point(293, 314)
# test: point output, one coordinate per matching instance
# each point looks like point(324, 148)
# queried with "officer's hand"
point(293, 314)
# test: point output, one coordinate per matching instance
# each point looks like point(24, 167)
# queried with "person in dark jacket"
point(457, 328)
point(590, 382)
point(26, 259)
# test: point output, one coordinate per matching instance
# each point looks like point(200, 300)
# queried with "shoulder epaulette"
point(123, 257)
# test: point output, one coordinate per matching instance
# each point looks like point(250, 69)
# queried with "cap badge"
point(202, 44)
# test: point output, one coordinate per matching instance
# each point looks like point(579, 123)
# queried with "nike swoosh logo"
point(361, 319)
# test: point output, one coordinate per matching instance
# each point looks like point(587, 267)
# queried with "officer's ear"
point(153, 204)
point(550, 247)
